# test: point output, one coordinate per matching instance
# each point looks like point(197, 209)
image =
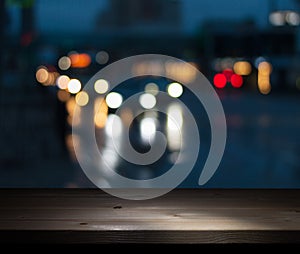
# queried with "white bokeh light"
point(101, 86)
point(148, 129)
point(277, 18)
point(175, 90)
point(74, 86)
point(114, 100)
point(147, 101)
point(114, 126)
point(293, 18)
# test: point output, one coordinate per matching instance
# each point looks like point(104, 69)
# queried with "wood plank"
point(181, 216)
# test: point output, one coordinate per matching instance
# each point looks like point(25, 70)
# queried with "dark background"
point(263, 119)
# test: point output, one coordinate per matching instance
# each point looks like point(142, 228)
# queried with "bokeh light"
point(70, 105)
point(62, 82)
point(264, 72)
point(174, 126)
point(265, 68)
point(277, 18)
point(42, 74)
point(114, 126)
point(82, 98)
point(152, 88)
point(258, 60)
point(179, 71)
point(264, 85)
point(64, 63)
point(148, 129)
point(242, 68)
point(74, 86)
point(46, 77)
point(101, 86)
point(63, 95)
point(236, 81)
point(52, 77)
point(175, 90)
point(228, 73)
point(293, 18)
point(80, 60)
point(220, 80)
point(114, 100)
point(226, 63)
point(147, 101)
point(102, 57)
point(101, 110)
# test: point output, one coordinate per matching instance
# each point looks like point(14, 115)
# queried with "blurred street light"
point(281, 18)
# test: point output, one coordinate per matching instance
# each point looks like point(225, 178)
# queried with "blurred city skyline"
point(248, 50)
point(56, 16)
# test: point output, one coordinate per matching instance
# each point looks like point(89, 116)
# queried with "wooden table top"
point(181, 216)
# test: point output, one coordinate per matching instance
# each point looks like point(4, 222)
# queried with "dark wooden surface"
point(181, 216)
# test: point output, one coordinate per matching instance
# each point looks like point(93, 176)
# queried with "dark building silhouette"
point(142, 16)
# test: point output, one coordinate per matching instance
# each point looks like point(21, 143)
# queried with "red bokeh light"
point(220, 80)
point(236, 80)
point(228, 74)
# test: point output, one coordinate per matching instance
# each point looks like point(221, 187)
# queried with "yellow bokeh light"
point(45, 77)
point(101, 110)
point(76, 119)
point(100, 105)
point(74, 86)
point(42, 75)
point(264, 84)
point(50, 80)
point(180, 71)
point(73, 120)
point(70, 105)
point(100, 120)
point(82, 98)
point(265, 68)
point(242, 68)
point(101, 86)
point(264, 72)
point(265, 88)
point(63, 95)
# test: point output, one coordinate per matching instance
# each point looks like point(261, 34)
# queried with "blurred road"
point(262, 151)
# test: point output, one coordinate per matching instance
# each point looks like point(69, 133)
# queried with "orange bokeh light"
point(80, 60)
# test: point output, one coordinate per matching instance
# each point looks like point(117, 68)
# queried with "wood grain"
point(181, 216)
